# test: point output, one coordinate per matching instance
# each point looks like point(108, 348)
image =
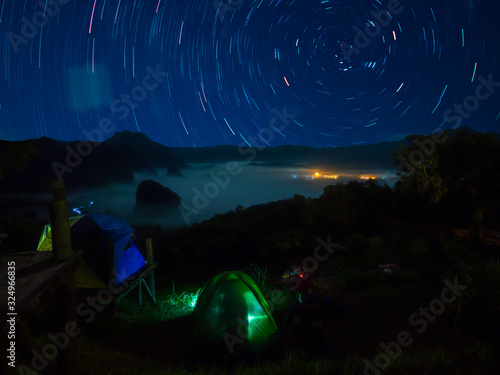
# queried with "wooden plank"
point(59, 222)
point(26, 263)
point(29, 287)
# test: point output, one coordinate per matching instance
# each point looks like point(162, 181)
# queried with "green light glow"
point(231, 303)
point(175, 305)
point(256, 324)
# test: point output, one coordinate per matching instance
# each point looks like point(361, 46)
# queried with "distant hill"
point(371, 156)
point(378, 155)
point(150, 153)
point(83, 164)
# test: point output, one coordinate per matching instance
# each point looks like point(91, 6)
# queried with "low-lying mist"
point(205, 195)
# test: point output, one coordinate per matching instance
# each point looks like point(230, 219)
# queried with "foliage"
point(257, 274)
point(16, 155)
point(424, 181)
point(465, 167)
point(177, 305)
point(23, 232)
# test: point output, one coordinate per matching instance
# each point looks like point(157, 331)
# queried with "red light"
point(301, 275)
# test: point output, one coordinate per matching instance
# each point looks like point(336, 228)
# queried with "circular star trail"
point(260, 73)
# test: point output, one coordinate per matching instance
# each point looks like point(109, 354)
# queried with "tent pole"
point(153, 288)
point(151, 293)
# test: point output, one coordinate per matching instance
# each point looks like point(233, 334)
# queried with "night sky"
point(263, 72)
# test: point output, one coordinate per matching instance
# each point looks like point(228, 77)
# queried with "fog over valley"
point(206, 190)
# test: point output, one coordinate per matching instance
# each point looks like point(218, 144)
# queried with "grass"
point(473, 357)
point(175, 306)
point(132, 364)
point(468, 358)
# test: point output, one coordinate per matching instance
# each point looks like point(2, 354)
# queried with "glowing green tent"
point(232, 317)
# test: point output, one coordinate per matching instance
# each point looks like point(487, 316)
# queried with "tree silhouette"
point(15, 155)
point(471, 165)
point(421, 186)
point(466, 165)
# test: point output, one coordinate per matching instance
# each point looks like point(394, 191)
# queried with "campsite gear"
point(232, 318)
point(314, 312)
point(389, 267)
point(298, 281)
point(311, 310)
point(82, 210)
point(109, 244)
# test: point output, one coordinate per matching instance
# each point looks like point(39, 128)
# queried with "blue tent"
point(98, 235)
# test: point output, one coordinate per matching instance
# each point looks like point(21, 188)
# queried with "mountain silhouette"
point(84, 164)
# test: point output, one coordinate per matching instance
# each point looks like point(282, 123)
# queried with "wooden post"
point(113, 273)
point(149, 251)
point(150, 261)
point(66, 363)
point(61, 246)
point(111, 260)
point(59, 223)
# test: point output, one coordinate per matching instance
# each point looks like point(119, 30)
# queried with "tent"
point(109, 243)
point(232, 317)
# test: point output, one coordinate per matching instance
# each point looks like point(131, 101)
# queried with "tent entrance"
point(145, 276)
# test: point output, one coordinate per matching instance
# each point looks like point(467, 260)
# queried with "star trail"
point(201, 73)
